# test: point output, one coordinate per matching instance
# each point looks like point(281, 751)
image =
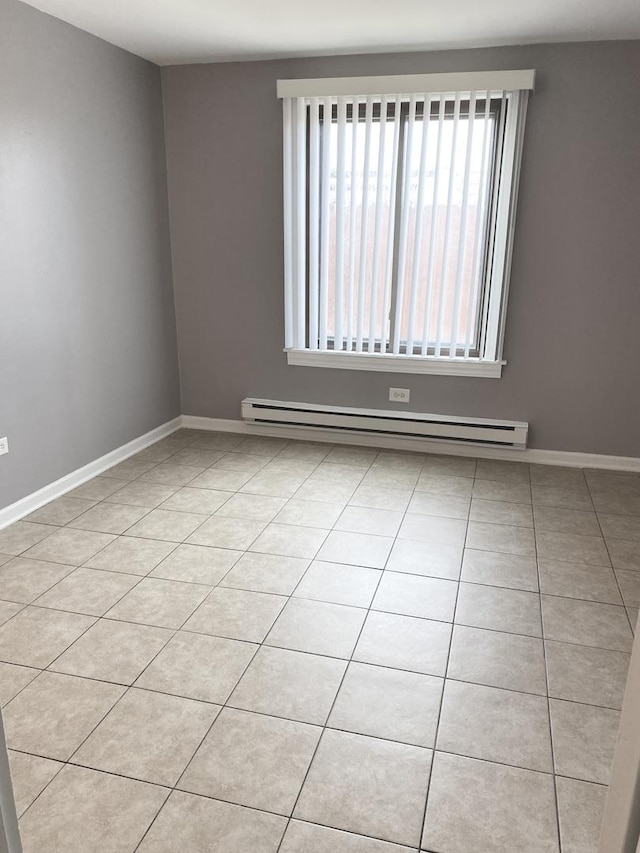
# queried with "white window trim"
point(489, 365)
point(389, 363)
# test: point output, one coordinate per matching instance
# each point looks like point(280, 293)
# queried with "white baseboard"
point(32, 502)
point(543, 457)
point(21, 508)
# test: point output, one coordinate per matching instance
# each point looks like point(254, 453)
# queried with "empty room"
point(319, 426)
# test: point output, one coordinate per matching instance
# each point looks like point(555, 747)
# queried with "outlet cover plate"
point(399, 395)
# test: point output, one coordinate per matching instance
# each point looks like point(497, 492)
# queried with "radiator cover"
point(341, 419)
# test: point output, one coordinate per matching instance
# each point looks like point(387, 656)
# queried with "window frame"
point(507, 106)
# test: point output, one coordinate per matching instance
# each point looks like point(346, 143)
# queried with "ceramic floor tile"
point(496, 725)
point(166, 604)
point(617, 504)
point(442, 484)
point(108, 518)
point(132, 556)
point(88, 591)
point(330, 473)
point(584, 738)
point(266, 573)
point(351, 456)
point(402, 461)
point(427, 528)
point(508, 570)
point(625, 554)
point(559, 520)
point(381, 522)
point(450, 466)
point(112, 651)
point(74, 706)
point(350, 781)
point(587, 623)
point(629, 583)
point(91, 811)
point(21, 535)
point(490, 490)
point(403, 642)
point(97, 489)
point(412, 595)
point(274, 484)
point(30, 775)
point(580, 810)
point(497, 660)
point(219, 479)
point(504, 472)
point(576, 580)
point(24, 580)
point(196, 564)
point(199, 501)
point(198, 667)
point(13, 678)
point(357, 549)
point(201, 825)
point(262, 446)
point(572, 548)
point(252, 507)
point(497, 808)
point(169, 474)
point(501, 512)
point(619, 526)
point(130, 469)
point(502, 538)
point(236, 614)
point(289, 540)
point(166, 525)
point(278, 752)
point(306, 451)
point(217, 441)
point(390, 478)
point(512, 610)
point(319, 490)
point(8, 610)
point(553, 496)
point(555, 476)
point(196, 457)
point(148, 736)
point(303, 837)
point(72, 547)
point(317, 627)
point(236, 533)
point(250, 463)
point(339, 584)
point(425, 558)
point(36, 636)
point(388, 703)
point(588, 675)
point(445, 506)
point(394, 499)
point(319, 514)
point(60, 511)
point(295, 685)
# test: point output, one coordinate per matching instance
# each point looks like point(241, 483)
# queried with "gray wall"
point(87, 329)
point(574, 308)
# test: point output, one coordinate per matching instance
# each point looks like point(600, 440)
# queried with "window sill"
point(385, 363)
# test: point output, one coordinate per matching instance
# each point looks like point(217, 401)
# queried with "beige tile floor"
point(231, 644)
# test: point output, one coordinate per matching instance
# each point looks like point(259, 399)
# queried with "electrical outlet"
point(399, 395)
point(4, 445)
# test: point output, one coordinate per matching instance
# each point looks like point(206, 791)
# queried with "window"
point(398, 215)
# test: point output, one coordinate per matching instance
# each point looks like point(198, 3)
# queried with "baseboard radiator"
point(472, 431)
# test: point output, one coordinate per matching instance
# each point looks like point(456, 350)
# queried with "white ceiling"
point(181, 31)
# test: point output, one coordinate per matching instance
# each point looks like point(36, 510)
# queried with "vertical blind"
point(398, 212)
